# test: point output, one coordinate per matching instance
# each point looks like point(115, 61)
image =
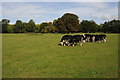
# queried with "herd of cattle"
point(72, 40)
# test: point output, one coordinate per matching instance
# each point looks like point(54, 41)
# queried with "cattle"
point(65, 40)
point(95, 38)
point(88, 37)
point(100, 38)
point(72, 40)
point(78, 39)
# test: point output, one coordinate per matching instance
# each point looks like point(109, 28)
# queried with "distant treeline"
point(68, 23)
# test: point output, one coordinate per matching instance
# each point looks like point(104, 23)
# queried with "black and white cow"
point(72, 40)
point(88, 37)
point(100, 38)
point(65, 40)
point(95, 38)
point(78, 39)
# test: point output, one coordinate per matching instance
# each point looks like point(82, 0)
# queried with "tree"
point(42, 27)
point(99, 28)
point(67, 23)
point(31, 27)
point(50, 28)
point(18, 27)
point(88, 26)
point(111, 26)
point(37, 28)
point(0, 26)
point(10, 28)
point(4, 25)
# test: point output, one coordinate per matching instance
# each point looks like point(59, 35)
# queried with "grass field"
point(40, 56)
point(0, 56)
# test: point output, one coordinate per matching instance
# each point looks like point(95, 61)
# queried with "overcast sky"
point(49, 11)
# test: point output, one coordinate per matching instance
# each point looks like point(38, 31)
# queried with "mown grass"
point(40, 56)
point(0, 56)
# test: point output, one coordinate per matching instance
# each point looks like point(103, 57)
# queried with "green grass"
point(40, 56)
point(0, 56)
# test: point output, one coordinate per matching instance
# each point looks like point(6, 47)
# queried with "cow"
point(90, 37)
point(65, 40)
point(100, 38)
point(78, 39)
point(72, 40)
point(95, 38)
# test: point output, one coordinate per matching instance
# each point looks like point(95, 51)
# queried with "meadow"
point(40, 56)
point(0, 56)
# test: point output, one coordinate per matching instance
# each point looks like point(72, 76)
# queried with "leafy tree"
point(53, 29)
point(42, 27)
point(31, 27)
point(88, 26)
point(10, 28)
point(4, 25)
point(99, 28)
point(111, 26)
point(67, 23)
point(37, 28)
point(0, 26)
point(18, 27)
point(50, 28)
point(26, 27)
point(58, 25)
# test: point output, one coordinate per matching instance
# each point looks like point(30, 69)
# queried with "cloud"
point(0, 10)
point(60, 0)
point(24, 11)
point(94, 11)
point(42, 11)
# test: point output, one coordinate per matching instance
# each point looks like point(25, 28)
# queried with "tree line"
point(68, 23)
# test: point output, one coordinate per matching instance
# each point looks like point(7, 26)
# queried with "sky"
point(59, 0)
point(49, 11)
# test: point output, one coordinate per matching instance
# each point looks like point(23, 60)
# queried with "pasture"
point(40, 56)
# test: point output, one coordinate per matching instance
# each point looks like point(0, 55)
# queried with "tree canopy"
point(111, 26)
point(88, 26)
point(18, 27)
point(68, 23)
point(4, 23)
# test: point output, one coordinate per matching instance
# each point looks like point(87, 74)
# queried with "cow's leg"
point(84, 41)
point(93, 39)
point(99, 41)
point(64, 44)
point(73, 45)
point(69, 44)
point(81, 44)
point(61, 43)
point(104, 40)
point(88, 39)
